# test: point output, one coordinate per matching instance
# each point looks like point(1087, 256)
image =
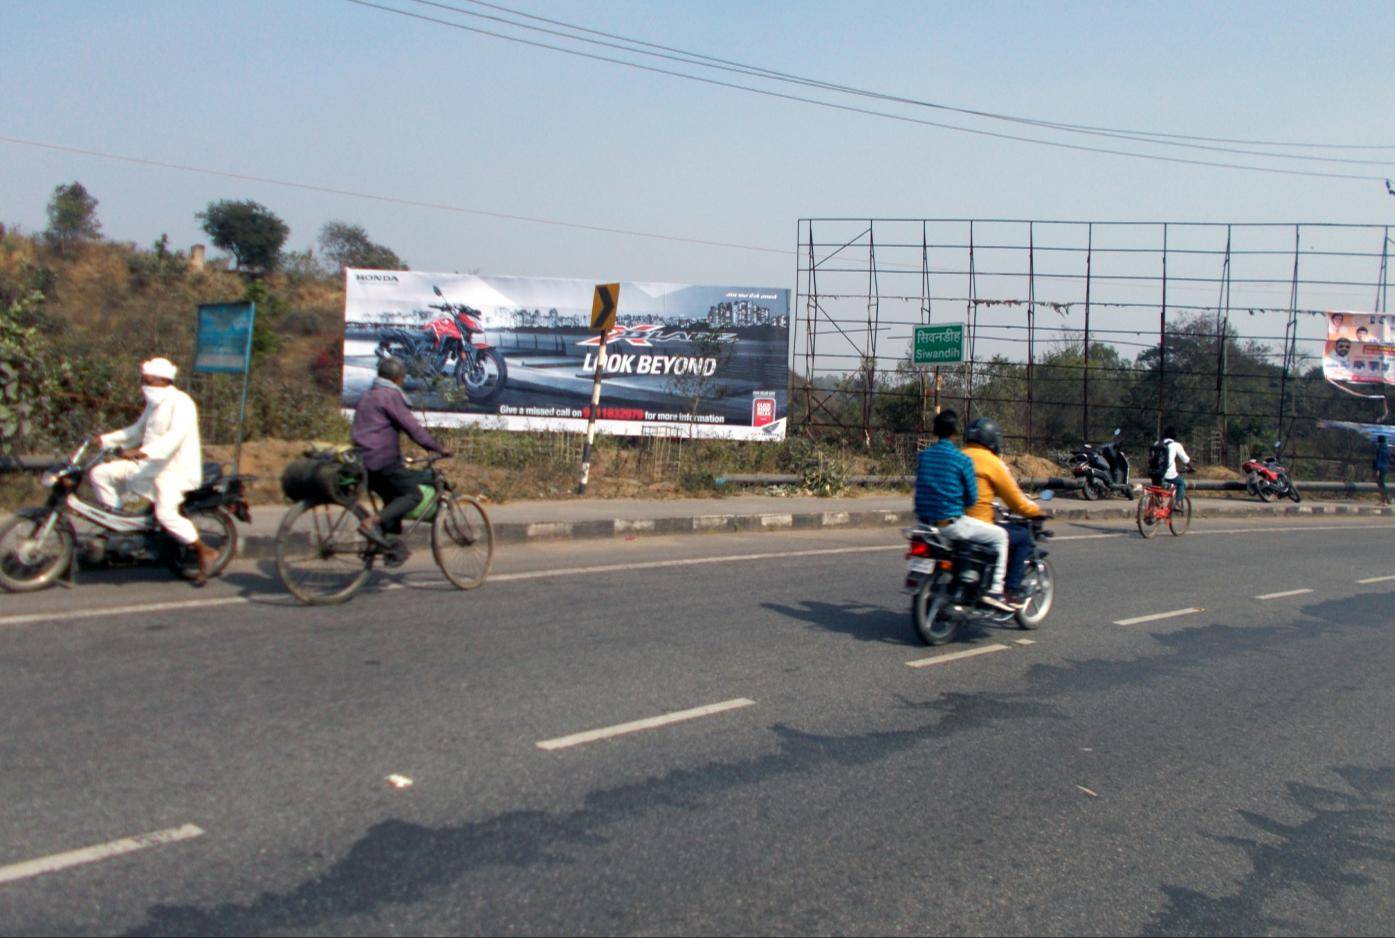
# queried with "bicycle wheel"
point(320, 555)
point(1181, 518)
point(462, 541)
point(1148, 514)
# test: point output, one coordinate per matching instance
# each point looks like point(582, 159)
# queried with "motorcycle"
point(40, 545)
point(946, 579)
point(445, 346)
point(1102, 470)
point(1268, 479)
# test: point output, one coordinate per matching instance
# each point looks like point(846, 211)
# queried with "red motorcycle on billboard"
point(1267, 479)
point(452, 344)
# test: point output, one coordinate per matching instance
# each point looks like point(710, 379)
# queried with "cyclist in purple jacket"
point(382, 414)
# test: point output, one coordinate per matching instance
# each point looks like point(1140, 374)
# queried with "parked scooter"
point(41, 544)
point(1102, 470)
point(445, 345)
point(947, 579)
point(1268, 479)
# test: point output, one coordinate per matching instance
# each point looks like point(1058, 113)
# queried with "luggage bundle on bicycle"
point(326, 474)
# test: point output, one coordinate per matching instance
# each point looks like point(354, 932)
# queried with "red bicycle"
point(1158, 504)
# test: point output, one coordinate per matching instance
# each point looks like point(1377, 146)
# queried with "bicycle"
point(323, 558)
point(1157, 505)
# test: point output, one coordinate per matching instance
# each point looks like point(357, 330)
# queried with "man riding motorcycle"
point(160, 459)
point(983, 441)
point(946, 488)
point(381, 415)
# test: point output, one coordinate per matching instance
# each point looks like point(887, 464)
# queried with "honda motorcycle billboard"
point(516, 353)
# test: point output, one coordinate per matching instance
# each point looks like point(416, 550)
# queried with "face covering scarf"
point(155, 395)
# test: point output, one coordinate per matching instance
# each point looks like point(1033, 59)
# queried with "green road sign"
point(939, 345)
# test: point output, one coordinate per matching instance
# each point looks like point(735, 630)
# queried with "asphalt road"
point(1229, 770)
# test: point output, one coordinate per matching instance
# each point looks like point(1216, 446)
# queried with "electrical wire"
point(757, 70)
point(1272, 170)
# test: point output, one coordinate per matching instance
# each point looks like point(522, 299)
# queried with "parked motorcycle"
point(1102, 470)
point(445, 345)
point(40, 545)
point(946, 579)
point(1267, 479)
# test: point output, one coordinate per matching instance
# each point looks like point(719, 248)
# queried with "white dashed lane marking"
point(1284, 594)
point(1136, 620)
point(621, 729)
point(115, 848)
point(957, 655)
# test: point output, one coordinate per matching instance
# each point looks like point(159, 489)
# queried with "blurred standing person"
point(1381, 465)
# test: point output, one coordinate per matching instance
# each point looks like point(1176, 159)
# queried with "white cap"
point(159, 368)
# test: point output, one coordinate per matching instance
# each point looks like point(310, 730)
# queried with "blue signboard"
point(224, 344)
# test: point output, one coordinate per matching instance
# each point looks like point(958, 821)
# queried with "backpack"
point(1157, 460)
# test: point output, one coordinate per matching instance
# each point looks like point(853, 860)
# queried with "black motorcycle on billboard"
point(452, 344)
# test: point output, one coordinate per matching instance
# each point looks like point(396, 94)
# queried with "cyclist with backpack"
point(1167, 460)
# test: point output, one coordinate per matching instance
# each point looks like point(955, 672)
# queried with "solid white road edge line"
point(606, 732)
point(956, 655)
point(1375, 579)
point(1283, 594)
point(1159, 615)
point(120, 610)
point(61, 861)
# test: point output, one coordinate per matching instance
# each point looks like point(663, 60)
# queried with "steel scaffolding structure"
point(1096, 282)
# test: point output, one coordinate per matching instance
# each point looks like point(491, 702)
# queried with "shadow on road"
point(858, 620)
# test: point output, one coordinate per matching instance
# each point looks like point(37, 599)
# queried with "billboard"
point(517, 353)
point(1360, 348)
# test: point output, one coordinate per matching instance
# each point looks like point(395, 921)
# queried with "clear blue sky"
point(324, 92)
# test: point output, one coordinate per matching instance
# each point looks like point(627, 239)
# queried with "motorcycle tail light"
point(918, 549)
point(945, 565)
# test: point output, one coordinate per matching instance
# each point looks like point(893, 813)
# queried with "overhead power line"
point(640, 46)
point(867, 111)
point(393, 200)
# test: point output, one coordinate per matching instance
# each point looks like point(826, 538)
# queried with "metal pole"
point(973, 318)
point(1031, 326)
point(591, 423)
point(1089, 254)
point(1290, 334)
point(1222, 327)
point(1162, 340)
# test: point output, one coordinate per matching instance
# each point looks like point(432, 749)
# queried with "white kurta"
point(168, 434)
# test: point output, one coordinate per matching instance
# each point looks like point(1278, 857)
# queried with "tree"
point(346, 245)
point(250, 232)
point(72, 218)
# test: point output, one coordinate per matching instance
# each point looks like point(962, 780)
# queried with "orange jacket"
point(995, 481)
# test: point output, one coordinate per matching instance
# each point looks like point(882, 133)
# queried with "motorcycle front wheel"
point(1039, 586)
point(1293, 492)
point(26, 564)
point(482, 375)
point(930, 615)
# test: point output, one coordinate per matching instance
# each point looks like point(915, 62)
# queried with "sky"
point(337, 95)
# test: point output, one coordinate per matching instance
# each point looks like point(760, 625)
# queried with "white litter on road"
point(399, 781)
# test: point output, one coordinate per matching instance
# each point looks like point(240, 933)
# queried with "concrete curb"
point(263, 547)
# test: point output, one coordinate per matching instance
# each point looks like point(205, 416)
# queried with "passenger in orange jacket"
point(982, 442)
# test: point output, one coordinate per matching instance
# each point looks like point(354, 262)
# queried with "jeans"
point(1179, 484)
point(1019, 546)
point(1380, 481)
point(974, 531)
point(399, 488)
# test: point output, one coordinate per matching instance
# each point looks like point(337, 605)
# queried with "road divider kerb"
point(97, 853)
point(1154, 617)
point(957, 655)
point(635, 726)
point(262, 547)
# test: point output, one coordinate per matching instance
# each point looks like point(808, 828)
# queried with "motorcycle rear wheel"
point(44, 562)
point(1088, 490)
point(1264, 491)
point(216, 530)
point(929, 615)
point(1039, 586)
